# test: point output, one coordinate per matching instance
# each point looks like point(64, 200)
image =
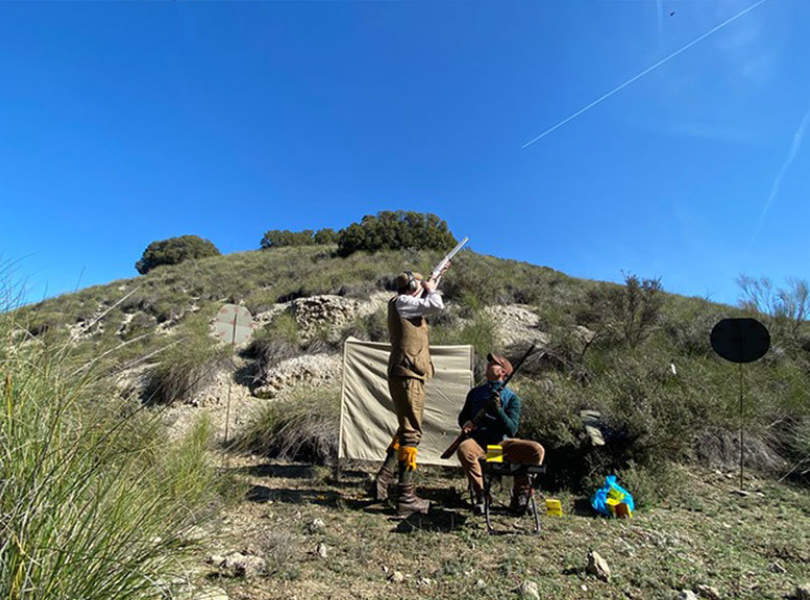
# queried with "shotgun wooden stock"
point(479, 417)
point(454, 446)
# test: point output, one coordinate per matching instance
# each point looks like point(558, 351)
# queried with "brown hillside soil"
point(754, 546)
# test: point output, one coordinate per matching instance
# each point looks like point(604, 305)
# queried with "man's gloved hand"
point(494, 402)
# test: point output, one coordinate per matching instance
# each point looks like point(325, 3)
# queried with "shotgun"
point(480, 416)
point(437, 271)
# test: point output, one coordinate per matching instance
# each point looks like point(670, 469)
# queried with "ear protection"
point(413, 284)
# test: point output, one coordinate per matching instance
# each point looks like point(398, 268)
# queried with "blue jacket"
point(495, 426)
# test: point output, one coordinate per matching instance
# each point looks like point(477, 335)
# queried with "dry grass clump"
point(281, 549)
point(187, 364)
point(302, 427)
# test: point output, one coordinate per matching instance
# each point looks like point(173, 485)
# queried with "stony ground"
point(301, 534)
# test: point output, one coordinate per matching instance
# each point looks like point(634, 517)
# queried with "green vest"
point(410, 345)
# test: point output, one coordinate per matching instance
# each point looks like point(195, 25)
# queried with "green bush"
point(278, 238)
point(301, 427)
point(389, 230)
point(324, 236)
point(173, 251)
point(480, 334)
point(372, 327)
point(273, 345)
point(629, 313)
point(186, 365)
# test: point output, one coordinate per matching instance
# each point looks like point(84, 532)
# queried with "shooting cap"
point(502, 361)
point(407, 281)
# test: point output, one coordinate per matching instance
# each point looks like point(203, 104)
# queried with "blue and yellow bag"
point(612, 500)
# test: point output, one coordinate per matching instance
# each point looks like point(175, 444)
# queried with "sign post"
point(233, 325)
point(740, 341)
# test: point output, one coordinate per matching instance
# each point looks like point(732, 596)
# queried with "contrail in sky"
point(642, 74)
point(794, 149)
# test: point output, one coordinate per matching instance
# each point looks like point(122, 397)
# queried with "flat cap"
point(502, 361)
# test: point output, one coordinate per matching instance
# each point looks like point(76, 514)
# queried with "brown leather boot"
point(409, 503)
point(384, 478)
point(521, 494)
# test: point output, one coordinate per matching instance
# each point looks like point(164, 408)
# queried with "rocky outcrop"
point(515, 324)
point(313, 369)
point(327, 312)
point(237, 564)
point(317, 313)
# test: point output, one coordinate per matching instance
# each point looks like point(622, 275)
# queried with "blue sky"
point(125, 123)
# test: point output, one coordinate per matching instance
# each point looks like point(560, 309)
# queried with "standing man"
point(499, 424)
point(409, 368)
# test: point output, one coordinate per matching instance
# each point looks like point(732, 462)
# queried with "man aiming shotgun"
point(409, 368)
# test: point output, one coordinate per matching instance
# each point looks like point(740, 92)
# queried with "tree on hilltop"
point(393, 230)
point(174, 250)
point(277, 238)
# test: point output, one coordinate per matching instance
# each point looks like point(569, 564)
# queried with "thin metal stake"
point(741, 427)
point(230, 378)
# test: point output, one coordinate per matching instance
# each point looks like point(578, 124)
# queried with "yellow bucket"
point(494, 453)
point(553, 507)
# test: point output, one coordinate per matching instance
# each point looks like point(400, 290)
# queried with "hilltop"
point(602, 348)
point(635, 353)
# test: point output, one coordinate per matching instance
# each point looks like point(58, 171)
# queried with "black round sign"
point(740, 340)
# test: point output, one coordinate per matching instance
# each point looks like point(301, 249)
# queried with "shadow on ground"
point(261, 494)
point(291, 471)
point(437, 519)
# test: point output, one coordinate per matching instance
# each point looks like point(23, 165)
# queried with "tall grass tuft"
point(301, 427)
point(186, 366)
point(93, 505)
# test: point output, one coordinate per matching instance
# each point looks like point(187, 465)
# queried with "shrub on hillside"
point(389, 230)
point(648, 416)
point(628, 313)
point(271, 346)
point(784, 310)
point(186, 365)
point(301, 427)
point(173, 251)
point(327, 235)
point(278, 238)
point(372, 327)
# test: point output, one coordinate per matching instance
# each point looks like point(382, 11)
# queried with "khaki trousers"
point(523, 452)
point(408, 395)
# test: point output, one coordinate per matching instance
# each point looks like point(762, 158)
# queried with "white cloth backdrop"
point(367, 419)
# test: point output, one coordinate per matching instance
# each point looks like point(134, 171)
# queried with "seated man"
point(496, 425)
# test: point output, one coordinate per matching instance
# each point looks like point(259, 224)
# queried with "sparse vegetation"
point(670, 407)
point(784, 310)
point(302, 427)
point(186, 364)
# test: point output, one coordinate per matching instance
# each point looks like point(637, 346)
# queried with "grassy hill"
point(638, 355)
